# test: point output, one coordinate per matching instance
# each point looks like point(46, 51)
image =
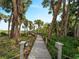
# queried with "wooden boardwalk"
point(39, 50)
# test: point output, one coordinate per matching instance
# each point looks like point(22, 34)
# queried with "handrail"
point(63, 54)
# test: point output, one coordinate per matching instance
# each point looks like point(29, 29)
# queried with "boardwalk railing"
point(22, 52)
point(57, 51)
point(22, 43)
point(59, 46)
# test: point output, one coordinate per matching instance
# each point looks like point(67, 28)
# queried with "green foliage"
point(6, 5)
point(3, 34)
point(8, 47)
point(39, 22)
point(26, 4)
point(25, 22)
point(23, 34)
point(30, 25)
point(3, 57)
point(69, 48)
point(45, 3)
point(76, 56)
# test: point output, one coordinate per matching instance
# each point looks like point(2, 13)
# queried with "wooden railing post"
point(22, 49)
point(59, 46)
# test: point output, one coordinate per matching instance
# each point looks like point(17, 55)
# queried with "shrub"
point(8, 47)
point(69, 48)
point(3, 34)
point(1, 57)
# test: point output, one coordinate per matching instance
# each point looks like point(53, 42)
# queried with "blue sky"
point(35, 11)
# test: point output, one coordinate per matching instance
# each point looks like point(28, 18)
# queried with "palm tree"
point(46, 27)
point(39, 23)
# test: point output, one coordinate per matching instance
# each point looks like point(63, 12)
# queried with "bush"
point(69, 48)
point(23, 34)
point(1, 57)
point(3, 34)
point(8, 47)
point(76, 56)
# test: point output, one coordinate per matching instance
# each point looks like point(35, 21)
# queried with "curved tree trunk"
point(14, 27)
point(55, 8)
point(14, 11)
point(53, 27)
point(12, 35)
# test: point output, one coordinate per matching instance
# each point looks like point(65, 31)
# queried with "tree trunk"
point(9, 28)
point(17, 33)
point(12, 35)
point(64, 19)
point(53, 27)
point(15, 23)
point(55, 8)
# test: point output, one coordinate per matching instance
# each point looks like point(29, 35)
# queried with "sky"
point(34, 12)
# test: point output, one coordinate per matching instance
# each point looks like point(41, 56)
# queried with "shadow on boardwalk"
point(39, 50)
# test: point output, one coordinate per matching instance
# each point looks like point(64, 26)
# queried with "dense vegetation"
point(65, 31)
point(9, 49)
point(69, 48)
